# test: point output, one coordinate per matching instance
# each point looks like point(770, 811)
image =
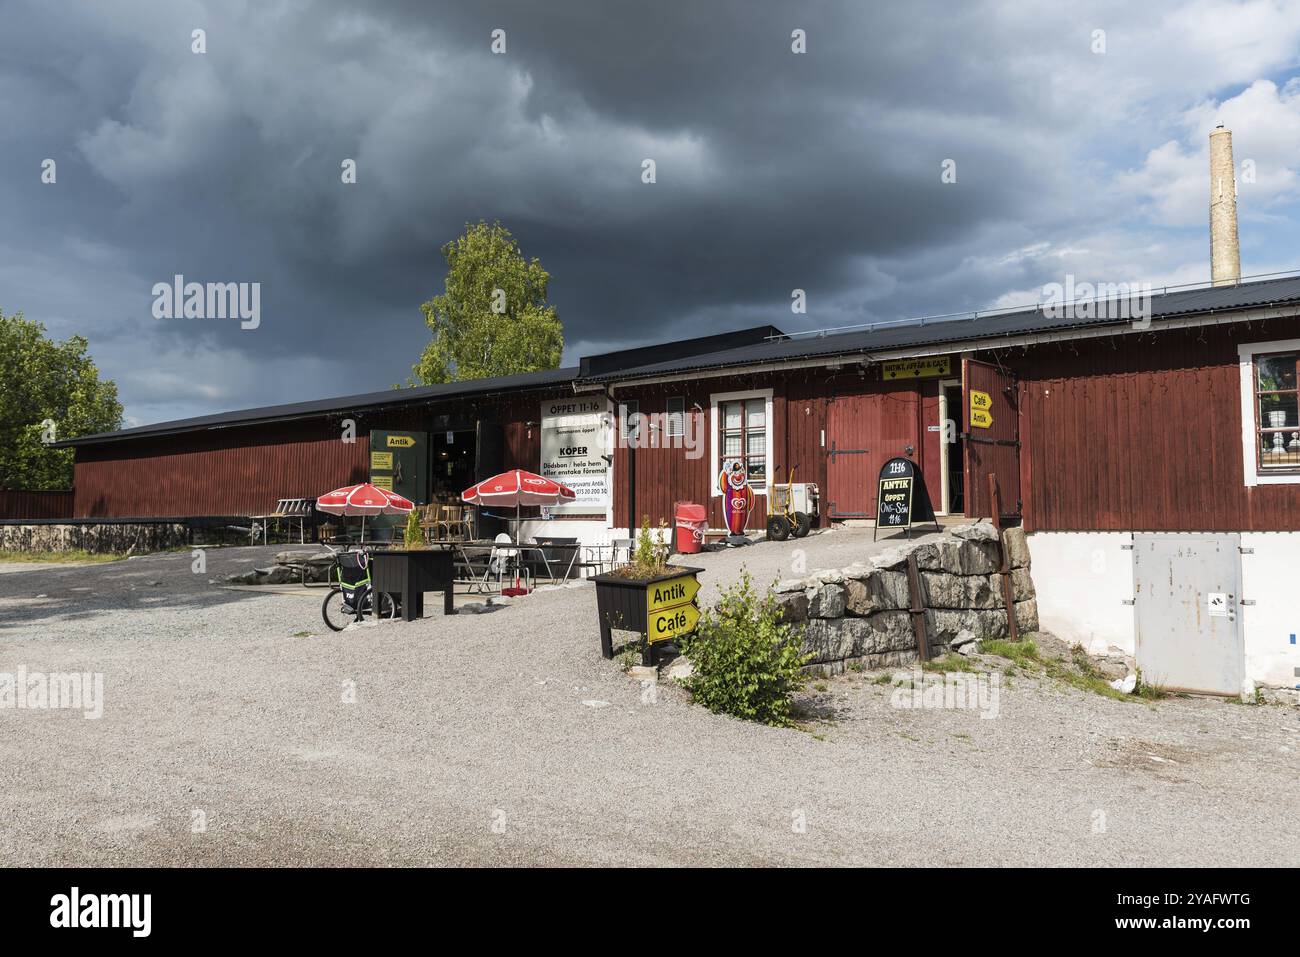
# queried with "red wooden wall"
point(1143, 432)
point(226, 472)
point(245, 470)
point(21, 503)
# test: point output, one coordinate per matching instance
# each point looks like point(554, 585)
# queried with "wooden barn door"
point(991, 430)
point(862, 433)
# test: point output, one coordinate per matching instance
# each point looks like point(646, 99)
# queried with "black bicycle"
point(352, 596)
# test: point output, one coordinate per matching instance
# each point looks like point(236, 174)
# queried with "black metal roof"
point(347, 403)
point(609, 362)
point(761, 345)
point(973, 327)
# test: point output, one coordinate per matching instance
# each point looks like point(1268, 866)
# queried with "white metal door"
point(1186, 590)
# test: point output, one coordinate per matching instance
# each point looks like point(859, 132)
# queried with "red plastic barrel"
point(691, 521)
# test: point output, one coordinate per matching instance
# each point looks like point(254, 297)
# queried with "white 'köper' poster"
point(573, 443)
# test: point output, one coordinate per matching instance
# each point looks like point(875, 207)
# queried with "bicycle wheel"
point(387, 607)
point(337, 616)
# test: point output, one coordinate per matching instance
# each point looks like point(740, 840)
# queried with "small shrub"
point(648, 558)
point(414, 536)
point(747, 663)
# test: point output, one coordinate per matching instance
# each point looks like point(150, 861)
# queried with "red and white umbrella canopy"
point(363, 499)
point(517, 488)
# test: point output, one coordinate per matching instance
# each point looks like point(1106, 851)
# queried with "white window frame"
point(1246, 353)
point(674, 421)
point(626, 409)
point(714, 432)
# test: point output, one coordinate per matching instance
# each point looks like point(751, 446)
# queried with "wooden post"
point(917, 608)
point(1004, 567)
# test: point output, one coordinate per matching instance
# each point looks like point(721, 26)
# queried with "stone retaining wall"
point(123, 539)
point(859, 615)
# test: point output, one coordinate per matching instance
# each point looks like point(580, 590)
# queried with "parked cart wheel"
point(802, 524)
point(778, 528)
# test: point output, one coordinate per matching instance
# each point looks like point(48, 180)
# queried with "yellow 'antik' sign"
point(672, 622)
point(916, 368)
point(980, 405)
point(670, 610)
point(674, 591)
point(401, 441)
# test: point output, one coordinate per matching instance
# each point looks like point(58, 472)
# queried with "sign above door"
point(916, 368)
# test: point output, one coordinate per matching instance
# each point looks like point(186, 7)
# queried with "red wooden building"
point(1109, 437)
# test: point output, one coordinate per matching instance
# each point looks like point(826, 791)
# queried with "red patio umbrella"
point(518, 488)
point(364, 499)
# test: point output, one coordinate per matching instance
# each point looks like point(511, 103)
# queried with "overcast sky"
point(775, 170)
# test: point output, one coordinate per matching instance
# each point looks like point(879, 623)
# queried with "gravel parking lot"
point(237, 731)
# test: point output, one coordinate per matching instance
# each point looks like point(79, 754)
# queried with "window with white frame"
point(1276, 424)
point(630, 421)
point(742, 433)
point(676, 415)
point(1270, 411)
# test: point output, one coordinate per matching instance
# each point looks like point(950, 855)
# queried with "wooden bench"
point(285, 508)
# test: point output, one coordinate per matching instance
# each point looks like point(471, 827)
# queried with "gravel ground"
point(506, 739)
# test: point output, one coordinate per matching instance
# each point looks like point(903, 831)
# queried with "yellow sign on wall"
point(401, 441)
point(916, 368)
point(981, 405)
point(382, 481)
point(381, 461)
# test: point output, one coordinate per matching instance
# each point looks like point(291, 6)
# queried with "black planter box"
point(621, 603)
point(411, 573)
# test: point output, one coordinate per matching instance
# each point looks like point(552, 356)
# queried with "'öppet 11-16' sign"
point(901, 499)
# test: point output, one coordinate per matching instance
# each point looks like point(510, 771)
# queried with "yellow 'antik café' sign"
point(981, 404)
point(670, 608)
point(916, 368)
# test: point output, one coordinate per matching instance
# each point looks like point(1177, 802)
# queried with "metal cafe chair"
point(619, 543)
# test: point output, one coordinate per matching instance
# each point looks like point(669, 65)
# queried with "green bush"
point(746, 662)
point(414, 536)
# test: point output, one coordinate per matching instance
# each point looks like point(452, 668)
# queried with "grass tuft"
point(1021, 652)
point(76, 555)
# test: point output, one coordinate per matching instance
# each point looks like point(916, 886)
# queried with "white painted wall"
point(594, 532)
point(1268, 577)
point(1082, 580)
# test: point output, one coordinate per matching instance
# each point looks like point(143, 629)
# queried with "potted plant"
point(414, 536)
point(413, 569)
point(647, 596)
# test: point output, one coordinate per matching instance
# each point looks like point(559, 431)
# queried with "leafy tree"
point(41, 379)
point(493, 318)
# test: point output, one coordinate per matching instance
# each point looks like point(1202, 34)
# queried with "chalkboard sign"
point(901, 498)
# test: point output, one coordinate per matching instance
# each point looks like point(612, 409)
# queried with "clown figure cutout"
point(737, 501)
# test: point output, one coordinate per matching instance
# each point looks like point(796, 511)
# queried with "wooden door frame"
point(944, 445)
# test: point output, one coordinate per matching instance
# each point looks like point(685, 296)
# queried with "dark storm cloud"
point(819, 171)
